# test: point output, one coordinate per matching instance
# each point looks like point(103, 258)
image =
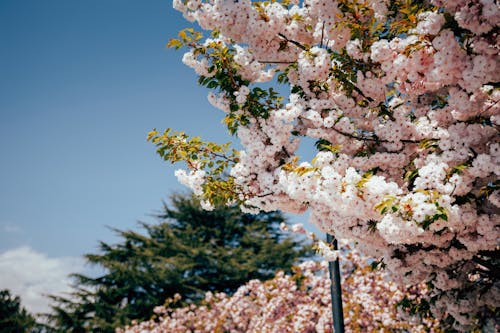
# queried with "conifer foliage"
point(14, 318)
point(189, 251)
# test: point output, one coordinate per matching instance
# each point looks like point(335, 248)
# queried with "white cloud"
point(32, 275)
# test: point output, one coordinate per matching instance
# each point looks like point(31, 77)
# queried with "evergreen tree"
point(190, 251)
point(13, 317)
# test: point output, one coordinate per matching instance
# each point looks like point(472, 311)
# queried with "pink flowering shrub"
point(402, 99)
point(297, 303)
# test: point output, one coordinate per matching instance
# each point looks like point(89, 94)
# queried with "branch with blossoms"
point(207, 161)
point(401, 98)
point(215, 62)
point(209, 164)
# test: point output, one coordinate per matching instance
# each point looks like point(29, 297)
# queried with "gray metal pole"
point(335, 289)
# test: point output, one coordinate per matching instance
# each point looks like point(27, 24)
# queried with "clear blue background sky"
point(81, 84)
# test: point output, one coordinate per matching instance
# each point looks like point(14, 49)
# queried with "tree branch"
point(322, 34)
point(374, 139)
point(292, 41)
point(275, 62)
point(491, 269)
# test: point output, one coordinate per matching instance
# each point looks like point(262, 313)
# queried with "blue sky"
point(81, 84)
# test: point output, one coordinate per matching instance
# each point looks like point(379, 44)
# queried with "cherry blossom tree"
point(402, 99)
point(298, 303)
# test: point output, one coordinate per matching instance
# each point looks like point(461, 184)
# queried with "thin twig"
point(292, 41)
point(322, 34)
point(489, 107)
point(276, 62)
point(221, 156)
point(264, 195)
point(374, 139)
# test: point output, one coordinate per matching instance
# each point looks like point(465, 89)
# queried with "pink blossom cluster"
point(297, 303)
point(414, 119)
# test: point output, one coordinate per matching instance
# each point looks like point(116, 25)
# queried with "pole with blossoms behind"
point(299, 303)
point(402, 99)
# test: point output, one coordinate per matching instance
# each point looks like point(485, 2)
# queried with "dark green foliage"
point(13, 317)
point(190, 251)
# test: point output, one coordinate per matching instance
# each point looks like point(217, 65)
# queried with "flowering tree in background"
point(297, 303)
point(402, 98)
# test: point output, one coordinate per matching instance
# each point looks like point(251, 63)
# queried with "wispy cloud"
point(10, 228)
point(32, 275)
